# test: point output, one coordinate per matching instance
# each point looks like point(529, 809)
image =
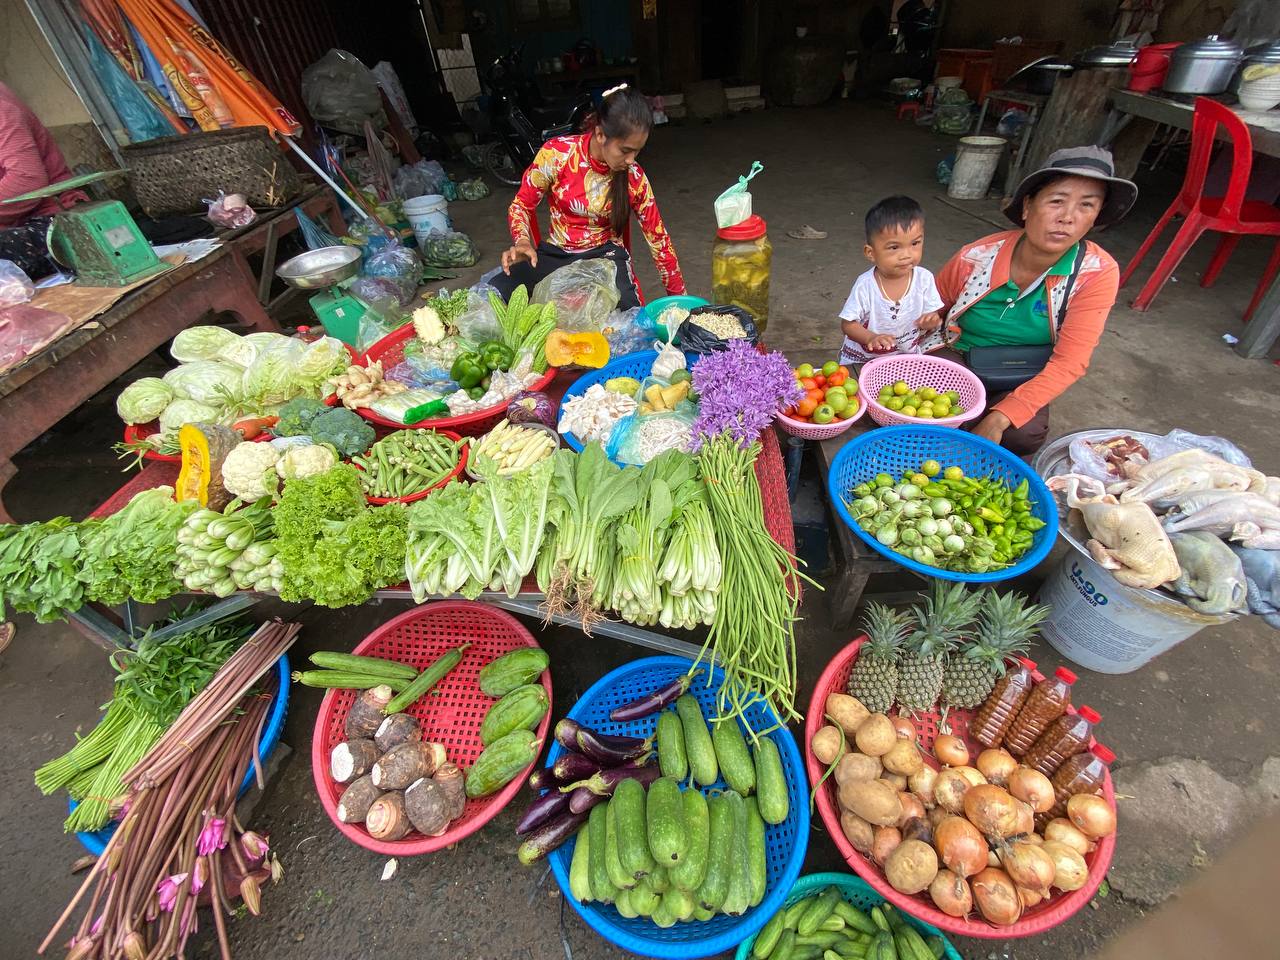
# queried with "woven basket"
point(178, 174)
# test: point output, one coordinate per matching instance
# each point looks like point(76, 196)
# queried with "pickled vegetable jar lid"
point(750, 228)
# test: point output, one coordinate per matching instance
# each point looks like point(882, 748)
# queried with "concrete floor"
point(1190, 731)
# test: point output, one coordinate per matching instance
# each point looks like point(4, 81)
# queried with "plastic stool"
point(908, 107)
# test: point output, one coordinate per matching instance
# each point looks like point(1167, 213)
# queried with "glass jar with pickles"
point(741, 258)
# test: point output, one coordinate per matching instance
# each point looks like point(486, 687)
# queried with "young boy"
point(893, 307)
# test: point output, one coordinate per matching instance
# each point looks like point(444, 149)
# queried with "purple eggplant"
point(654, 701)
point(546, 807)
point(608, 749)
point(582, 800)
point(571, 766)
point(603, 784)
point(566, 734)
point(549, 836)
point(543, 778)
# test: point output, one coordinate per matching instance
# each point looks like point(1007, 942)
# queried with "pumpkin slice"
point(204, 446)
point(583, 349)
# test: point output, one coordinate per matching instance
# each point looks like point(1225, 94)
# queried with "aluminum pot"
point(1203, 66)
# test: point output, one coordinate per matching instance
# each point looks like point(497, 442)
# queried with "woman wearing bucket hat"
point(1026, 307)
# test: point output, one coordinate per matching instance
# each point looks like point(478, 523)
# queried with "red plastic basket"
point(134, 432)
point(450, 714)
point(390, 350)
point(451, 475)
point(1043, 916)
point(921, 370)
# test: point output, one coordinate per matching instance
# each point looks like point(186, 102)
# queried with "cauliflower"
point(428, 325)
point(306, 461)
point(249, 471)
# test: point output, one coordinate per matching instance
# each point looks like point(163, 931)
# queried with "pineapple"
point(874, 679)
point(947, 611)
point(1007, 625)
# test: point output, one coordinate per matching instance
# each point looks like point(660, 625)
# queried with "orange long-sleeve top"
point(577, 187)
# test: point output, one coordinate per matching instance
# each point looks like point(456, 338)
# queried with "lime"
point(883, 480)
point(894, 403)
point(931, 468)
point(908, 410)
point(928, 393)
point(952, 396)
point(925, 413)
point(953, 473)
point(901, 389)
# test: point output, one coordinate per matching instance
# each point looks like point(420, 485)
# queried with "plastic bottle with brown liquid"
point(1083, 773)
point(1065, 737)
point(994, 717)
point(1045, 704)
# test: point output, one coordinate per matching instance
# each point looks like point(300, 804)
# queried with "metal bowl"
point(320, 268)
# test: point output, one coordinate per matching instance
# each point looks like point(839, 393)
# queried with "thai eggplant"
point(606, 781)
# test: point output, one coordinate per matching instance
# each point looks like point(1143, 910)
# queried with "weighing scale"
point(327, 270)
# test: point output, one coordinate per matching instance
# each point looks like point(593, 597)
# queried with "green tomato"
point(830, 368)
point(804, 371)
point(953, 473)
point(931, 468)
point(824, 414)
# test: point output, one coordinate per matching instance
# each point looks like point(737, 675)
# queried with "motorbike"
point(522, 120)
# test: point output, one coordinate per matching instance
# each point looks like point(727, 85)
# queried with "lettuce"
point(143, 400)
point(132, 553)
point(272, 378)
point(201, 343)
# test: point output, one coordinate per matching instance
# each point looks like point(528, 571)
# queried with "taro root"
point(427, 807)
point(366, 713)
point(352, 759)
point(402, 765)
point(397, 729)
point(356, 800)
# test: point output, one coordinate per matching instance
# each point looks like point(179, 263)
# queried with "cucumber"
point(702, 914)
point(855, 918)
point(521, 709)
point(664, 814)
point(819, 938)
point(903, 946)
point(936, 946)
point(878, 918)
point(738, 899)
point(882, 948)
point(598, 826)
point(659, 880)
point(622, 903)
point(833, 924)
point(353, 663)
point(757, 859)
point(679, 902)
point(643, 900)
point(662, 915)
point(786, 946)
point(579, 872)
point(768, 936)
point(689, 873)
point(617, 876)
point(628, 804)
point(501, 762)
point(819, 910)
point(771, 782)
point(671, 754)
point(796, 911)
point(734, 757)
point(915, 942)
point(698, 748)
point(524, 665)
point(716, 885)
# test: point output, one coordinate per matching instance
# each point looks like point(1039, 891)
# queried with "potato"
point(876, 735)
point(898, 780)
point(911, 867)
point(857, 766)
point(859, 833)
point(873, 800)
point(886, 841)
point(846, 711)
point(827, 744)
point(903, 758)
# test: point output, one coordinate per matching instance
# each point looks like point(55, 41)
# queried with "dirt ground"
point(1190, 731)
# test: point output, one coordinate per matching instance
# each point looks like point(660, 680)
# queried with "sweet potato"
point(356, 800)
point(400, 766)
point(427, 807)
point(366, 713)
point(397, 729)
point(351, 759)
point(386, 819)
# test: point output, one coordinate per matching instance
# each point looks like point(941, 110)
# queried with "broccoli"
point(344, 429)
point(297, 415)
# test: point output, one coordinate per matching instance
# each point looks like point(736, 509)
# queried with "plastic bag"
point(419, 374)
point(628, 331)
point(393, 260)
point(448, 248)
point(1177, 440)
point(24, 329)
point(230, 210)
point(419, 180)
point(397, 405)
point(638, 439)
point(341, 92)
point(670, 359)
point(477, 322)
point(15, 286)
point(697, 339)
point(388, 293)
point(734, 205)
point(1262, 581)
point(585, 292)
point(374, 325)
point(474, 189)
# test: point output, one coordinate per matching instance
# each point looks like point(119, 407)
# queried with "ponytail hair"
point(623, 110)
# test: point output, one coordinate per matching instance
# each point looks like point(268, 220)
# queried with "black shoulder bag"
point(1005, 368)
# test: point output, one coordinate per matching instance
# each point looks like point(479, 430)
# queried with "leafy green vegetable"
point(143, 400)
point(297, 415)
point(343, 428)
point(40, 568)
point(132, 553)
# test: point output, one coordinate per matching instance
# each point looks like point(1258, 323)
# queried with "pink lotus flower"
point(255, 845)
point(167, 891)
point(201, 876)
point(213, 837)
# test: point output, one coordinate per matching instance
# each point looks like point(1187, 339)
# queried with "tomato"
point(789, 412)
point(819, 379)
point(844, 369)
point(806, 406)
point(837, 379)
point(807, 383)
point(817, 394)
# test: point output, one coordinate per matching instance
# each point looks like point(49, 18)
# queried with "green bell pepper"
point(496, 355)
point(468, 370)
point(475, 393)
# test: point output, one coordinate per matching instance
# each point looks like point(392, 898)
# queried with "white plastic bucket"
point(1102, 625)
point(426, 214)
point(976, 162)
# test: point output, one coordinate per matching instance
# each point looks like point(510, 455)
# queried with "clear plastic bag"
point(1177, 440)
point(24, 329)
point(15, 286)
point(638, 439)
point(396, 406)
point(417, 373)
point(388, 293)
point(395, 261)
point(734, 205)
point(628, 331)
point(451, 248)
point(375, 325)
point(585, 292)
point(230, 210)
point(477, 322)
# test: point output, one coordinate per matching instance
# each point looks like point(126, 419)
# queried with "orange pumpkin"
point(589, 349)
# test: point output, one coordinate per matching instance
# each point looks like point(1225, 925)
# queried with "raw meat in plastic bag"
point(585, 292)
point(15, 286)
point(24, 329)
point(231, 210)
point(1262, 581)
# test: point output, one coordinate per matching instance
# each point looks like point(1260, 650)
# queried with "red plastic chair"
point(1231, 215)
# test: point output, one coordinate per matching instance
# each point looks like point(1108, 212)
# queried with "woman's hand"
point(523, 250)
point(992, 426)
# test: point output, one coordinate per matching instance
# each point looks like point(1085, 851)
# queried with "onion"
point(992, 810)
point(905, 729)
point(1091, 815)
point(1033, 787)
point(921, 784)
point(996, 764)
point(1026, 817)
point(992, 859)
point(1029, 897)
point(911, 807)
point(1070, 870)
point(996, 897)
point(973, 775)
point(949, 789)
point(950, 749)
point(1028, 866)
point(1063, 830)
point(937, 815)
point(918, 828)
point(886, 840)
point(951, 894)
point(960, 846)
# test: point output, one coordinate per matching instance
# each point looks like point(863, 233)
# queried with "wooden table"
point(1262, 331)
point(60, 378)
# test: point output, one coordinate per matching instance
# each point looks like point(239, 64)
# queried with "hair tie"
point(612, 90)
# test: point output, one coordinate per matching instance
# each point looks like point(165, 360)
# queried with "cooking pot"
point(1265, 54)
point(1121, 53)
point(1203, 66)
point(1040, 74)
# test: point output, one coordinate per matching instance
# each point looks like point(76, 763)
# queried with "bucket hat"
point(1092, 162)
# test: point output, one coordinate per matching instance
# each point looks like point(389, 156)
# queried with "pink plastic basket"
point(921, 370)
point(1043, 916)
point(821, 431)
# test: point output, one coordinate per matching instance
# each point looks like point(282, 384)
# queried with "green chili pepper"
point(991, 516)
point(979, 524)
point(997, 530)
point(1033, 523)
point(1022, 490)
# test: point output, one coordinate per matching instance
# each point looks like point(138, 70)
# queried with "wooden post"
point(1074, 114)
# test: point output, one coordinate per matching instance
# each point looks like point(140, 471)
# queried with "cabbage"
point(325, 358)
point(186, 411)
point(241, 352)
point(273, 375)
point(143, 400)
point(201, 343)
point(207, 381)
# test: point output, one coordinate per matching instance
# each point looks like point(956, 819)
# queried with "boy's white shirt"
point(867, 305)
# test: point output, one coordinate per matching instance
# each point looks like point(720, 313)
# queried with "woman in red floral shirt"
point(593, 185)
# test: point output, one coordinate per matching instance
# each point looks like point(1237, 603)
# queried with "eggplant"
point(603, 784)
point(571, 766)
point(546, 807)
point(566, 734)
point(582, 800)
point(608, 749)
point(549, 836)
point(654, 701)
point(543, 778)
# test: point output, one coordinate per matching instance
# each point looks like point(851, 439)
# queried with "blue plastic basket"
point(96, 841)
point(785, 843)
point(895, 450)
point(637, 365)
point(858, 893)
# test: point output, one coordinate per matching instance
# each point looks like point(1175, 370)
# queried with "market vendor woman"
point(593, 185)
point(1040, 286)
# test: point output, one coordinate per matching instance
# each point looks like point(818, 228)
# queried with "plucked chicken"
point(1212, 579)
